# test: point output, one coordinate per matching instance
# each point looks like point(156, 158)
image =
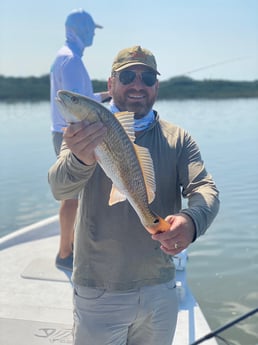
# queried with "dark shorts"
point(57, 138)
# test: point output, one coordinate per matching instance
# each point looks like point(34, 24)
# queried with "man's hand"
point(82, 138)
point(180, 235)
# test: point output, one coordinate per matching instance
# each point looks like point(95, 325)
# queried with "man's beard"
point(139, 108)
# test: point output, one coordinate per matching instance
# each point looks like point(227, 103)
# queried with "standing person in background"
point(69, 73)
point(124, 278)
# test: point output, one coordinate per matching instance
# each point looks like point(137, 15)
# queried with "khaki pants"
point(145, 316)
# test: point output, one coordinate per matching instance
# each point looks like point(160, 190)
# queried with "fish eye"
point(74, 99)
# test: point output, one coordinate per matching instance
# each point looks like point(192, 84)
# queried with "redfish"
point(128, 165)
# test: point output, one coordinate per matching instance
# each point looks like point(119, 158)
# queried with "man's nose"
point(138, 82)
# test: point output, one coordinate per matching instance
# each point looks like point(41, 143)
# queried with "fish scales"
point(118, 156)
point(118, 162)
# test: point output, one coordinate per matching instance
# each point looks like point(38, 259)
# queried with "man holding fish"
point(131, 170)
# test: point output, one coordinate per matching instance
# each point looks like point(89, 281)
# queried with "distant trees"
point(38, 88)
point(184, 87)
point(29, 88)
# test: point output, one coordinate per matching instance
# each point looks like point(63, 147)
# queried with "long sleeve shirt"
point(68, 73)
point(112, 249)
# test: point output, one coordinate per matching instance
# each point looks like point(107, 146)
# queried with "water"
point(223, 264)
point(27, 153)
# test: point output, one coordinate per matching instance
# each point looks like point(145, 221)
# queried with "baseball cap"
point(134, 56)
point(79, 17)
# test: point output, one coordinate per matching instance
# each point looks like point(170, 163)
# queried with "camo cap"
point(134, 56)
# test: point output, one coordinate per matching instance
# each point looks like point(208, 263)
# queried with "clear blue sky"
point(184, 35)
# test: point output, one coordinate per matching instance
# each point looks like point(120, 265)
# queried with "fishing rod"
point(219, 63)
point(223, 328)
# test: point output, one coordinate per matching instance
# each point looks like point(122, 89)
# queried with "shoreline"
point(177, 88)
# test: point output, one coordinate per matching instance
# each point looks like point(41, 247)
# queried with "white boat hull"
point(36, 297)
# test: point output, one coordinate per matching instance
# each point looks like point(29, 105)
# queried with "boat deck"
point(36, 297)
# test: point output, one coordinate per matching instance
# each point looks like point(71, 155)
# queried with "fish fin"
point(126, 119)
point(115, 196)
point(146, 163)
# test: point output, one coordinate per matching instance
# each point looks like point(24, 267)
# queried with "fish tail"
point(159, 225)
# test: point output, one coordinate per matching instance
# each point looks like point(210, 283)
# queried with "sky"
point(203, 39)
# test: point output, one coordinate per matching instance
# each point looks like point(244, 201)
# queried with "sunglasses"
point(127, 77)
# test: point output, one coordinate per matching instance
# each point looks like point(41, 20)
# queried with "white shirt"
point(68, 73)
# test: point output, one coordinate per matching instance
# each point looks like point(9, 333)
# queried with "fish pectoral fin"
point(115, 196)
point(126, 119)
point(146, 164)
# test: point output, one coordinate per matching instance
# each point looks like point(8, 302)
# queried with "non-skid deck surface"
point(21, 332)
point(36, 298)
point(44, 269)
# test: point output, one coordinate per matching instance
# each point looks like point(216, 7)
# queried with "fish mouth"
point(60, 103)
point(60, 97)
point(65, 97)
point(63, 101)
point(58, 100)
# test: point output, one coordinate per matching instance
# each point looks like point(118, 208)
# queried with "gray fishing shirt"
point(113, 250)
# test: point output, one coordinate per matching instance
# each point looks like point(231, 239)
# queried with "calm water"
point(223, 264)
